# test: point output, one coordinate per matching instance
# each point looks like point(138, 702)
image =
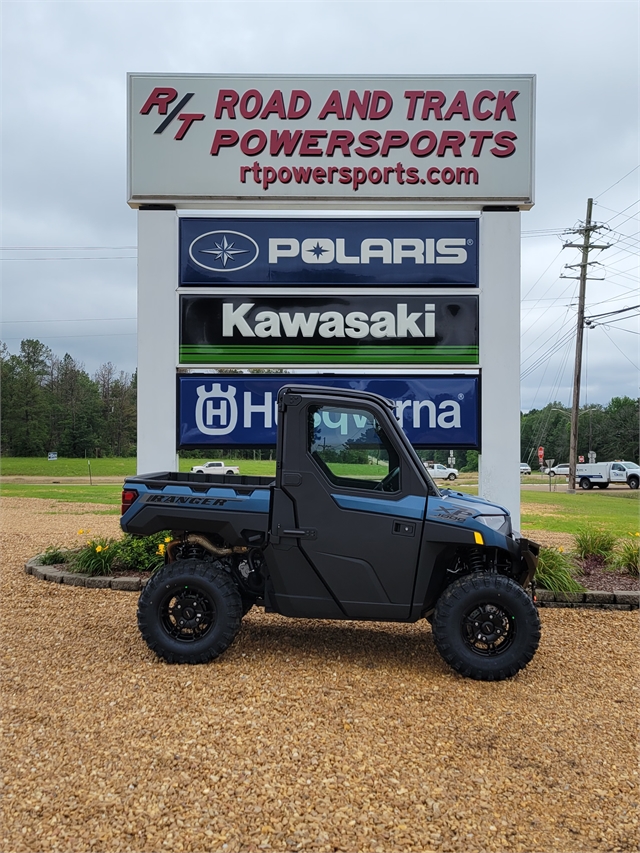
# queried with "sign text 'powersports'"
point(305, 330)
point(331, 137)
point(357, 252)
point(220, 411)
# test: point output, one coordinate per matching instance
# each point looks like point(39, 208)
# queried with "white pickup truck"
point(216, 467)
point(600, 474)
point(441, 472)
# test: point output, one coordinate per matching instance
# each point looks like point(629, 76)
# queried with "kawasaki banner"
point(241, 411)
point(328, 330)
point(317, 252)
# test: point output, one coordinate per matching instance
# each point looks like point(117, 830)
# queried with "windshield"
point(630, 465)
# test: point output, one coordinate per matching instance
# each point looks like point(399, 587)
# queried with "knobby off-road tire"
point(486, 627)
point(189, 612)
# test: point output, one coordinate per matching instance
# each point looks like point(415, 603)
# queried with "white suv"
point(561, 470)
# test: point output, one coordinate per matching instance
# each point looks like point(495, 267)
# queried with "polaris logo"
point(329, 324)
point(224, 251)
point(322, 250)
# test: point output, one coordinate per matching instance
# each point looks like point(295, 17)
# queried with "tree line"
point(611, 431)
point(52, 404)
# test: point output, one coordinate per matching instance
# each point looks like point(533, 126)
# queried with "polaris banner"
point(328, 330)
point(240, 411)
point(355, 252)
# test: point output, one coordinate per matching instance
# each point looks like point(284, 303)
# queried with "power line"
point(79, 258)
point(64, 337)
point(619, 181)
point(74, 320)
point(65, 248)
point(619, 350)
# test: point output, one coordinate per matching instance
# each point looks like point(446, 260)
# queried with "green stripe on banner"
point(283, 354)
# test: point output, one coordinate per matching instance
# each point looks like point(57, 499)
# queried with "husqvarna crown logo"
point(224, 251)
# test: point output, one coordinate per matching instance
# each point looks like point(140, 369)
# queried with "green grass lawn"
point(19, 466)
point(617, 511)
point(98, 494)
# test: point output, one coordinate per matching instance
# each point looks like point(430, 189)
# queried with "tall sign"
point(412, 288)
point(209, 139)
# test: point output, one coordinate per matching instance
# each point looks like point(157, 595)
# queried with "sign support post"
point(499, 475)
point(157, 340)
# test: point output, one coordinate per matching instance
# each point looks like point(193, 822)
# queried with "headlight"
point(496, 522)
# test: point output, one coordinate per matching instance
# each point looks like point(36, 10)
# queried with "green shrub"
point(595, 542)
point(554, 572)
point(141, 553)
point(627, 556)
point(53, 555)
point(95, 558)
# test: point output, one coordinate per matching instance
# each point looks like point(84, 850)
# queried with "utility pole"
point(586, 247)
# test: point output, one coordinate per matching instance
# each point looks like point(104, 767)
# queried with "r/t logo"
point(225, 413)
point(161, 98)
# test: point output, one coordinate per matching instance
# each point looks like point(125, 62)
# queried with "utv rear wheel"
point(486, 627)
point(189, 611)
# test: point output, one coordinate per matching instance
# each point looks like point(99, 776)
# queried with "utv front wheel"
point(486, 627)
point(189, 612)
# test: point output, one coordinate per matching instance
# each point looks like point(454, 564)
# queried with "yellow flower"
point(561, 549)
point(98, 549)
point(167, 539)
point(80, 532)
point(637, 534)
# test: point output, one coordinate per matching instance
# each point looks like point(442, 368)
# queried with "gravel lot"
point(317, 736)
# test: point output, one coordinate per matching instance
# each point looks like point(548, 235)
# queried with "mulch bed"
point(595, 577)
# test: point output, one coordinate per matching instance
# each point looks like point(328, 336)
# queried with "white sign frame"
point(194, 141)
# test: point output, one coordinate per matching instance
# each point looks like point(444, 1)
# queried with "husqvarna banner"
point(240, 411)
point(328, 330)
point(204, 138)
point(356, 252)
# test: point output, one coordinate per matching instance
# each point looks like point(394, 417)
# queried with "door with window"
point(618, 473)
point(361, 504)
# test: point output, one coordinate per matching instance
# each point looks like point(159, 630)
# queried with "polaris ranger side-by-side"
point(353, 527)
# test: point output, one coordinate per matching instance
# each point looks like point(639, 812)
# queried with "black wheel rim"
point(489, 629)
point(187, 613)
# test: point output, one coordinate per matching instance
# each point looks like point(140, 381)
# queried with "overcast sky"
point(69, 269)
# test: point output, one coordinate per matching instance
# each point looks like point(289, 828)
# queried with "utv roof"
point(348, 393)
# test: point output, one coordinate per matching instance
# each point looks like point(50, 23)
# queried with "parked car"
point(441, 472)
point(216, 467)
point(561, 470)
point(524, 468)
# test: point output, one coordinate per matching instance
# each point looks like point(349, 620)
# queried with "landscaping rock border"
point(616, 600)
point(128, 583)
